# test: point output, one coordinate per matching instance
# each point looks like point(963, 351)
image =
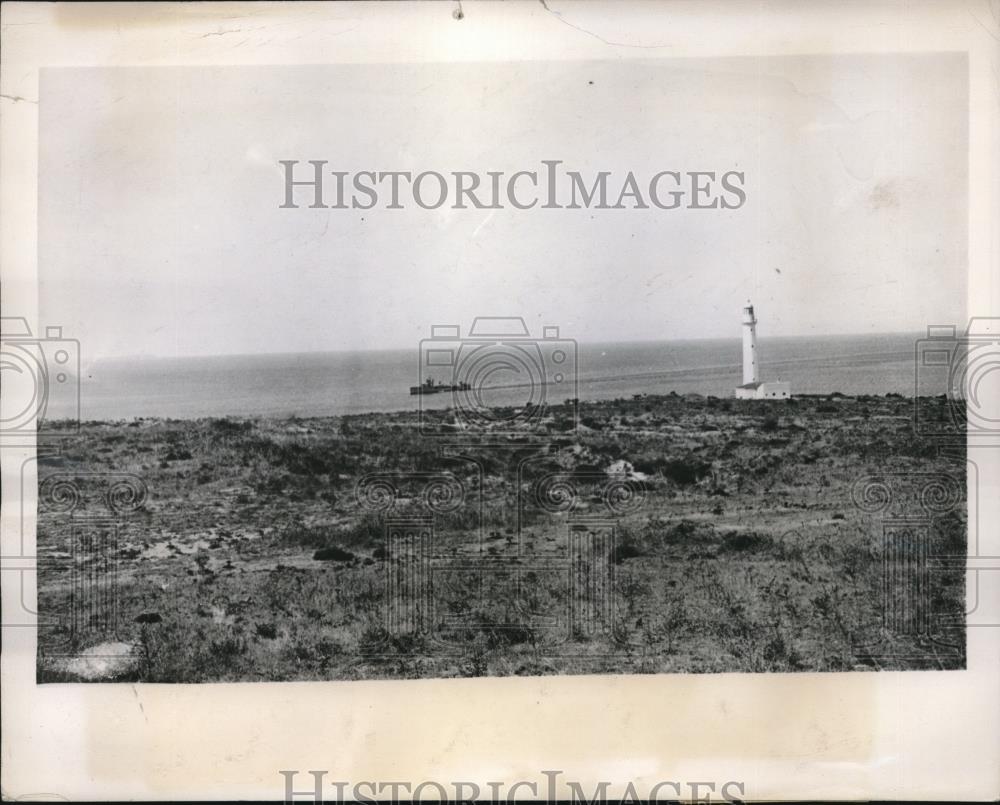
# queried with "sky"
point(161, 231)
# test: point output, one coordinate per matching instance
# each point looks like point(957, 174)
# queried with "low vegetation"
point(254, 557)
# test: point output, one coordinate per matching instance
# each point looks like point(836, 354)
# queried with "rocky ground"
point(657, 534)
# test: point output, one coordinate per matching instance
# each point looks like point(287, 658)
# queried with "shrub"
point(682, 471)
point(230, 427)
point(267, 630)
point(624, 551)
point(684, 531)
point(333, 553)
point(685, 471)
point(745, 542)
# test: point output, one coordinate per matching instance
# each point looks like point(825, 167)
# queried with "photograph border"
point(919, 735)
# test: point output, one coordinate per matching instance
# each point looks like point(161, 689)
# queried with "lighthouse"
point(752, 387)
point(749, 346)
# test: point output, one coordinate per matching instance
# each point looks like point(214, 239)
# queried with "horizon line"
point(275, 353)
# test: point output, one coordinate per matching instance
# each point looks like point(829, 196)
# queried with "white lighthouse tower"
point(753, 388)
point(750, 376)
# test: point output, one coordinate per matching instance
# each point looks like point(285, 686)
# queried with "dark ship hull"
point(429, 387)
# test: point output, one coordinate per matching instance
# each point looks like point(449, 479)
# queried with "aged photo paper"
point(500, 401)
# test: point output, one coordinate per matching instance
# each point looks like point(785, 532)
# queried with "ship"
point(431, 387)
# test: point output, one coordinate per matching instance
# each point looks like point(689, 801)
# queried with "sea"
point(336, 383)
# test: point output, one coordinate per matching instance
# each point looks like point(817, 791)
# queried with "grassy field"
point(663, 534)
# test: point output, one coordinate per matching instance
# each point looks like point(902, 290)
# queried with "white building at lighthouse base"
point(769, 390)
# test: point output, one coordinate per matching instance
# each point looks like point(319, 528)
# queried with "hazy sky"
point(161, 233)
